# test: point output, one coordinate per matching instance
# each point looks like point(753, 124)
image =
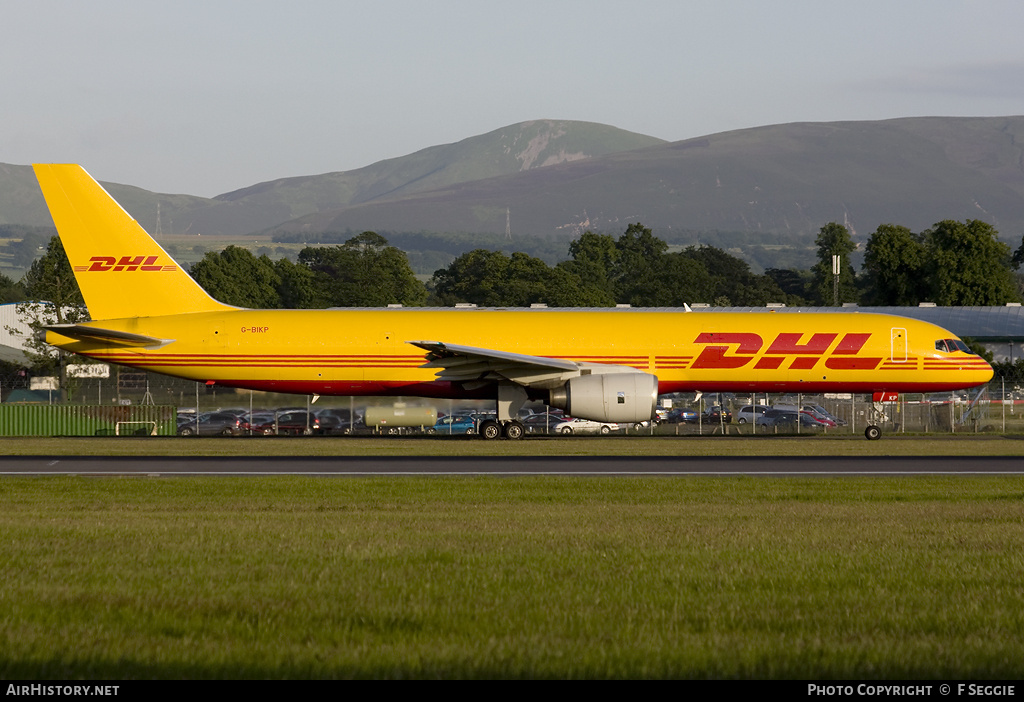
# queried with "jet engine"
point(608, 397)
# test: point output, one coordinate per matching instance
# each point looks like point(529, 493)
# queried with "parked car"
point(820, 412)
point(775, 417)
point(750, 413)
point(823, 421)
point(808, 420)
point(542, 423)
point(575, 425)
point(787, 420)
point(292, 422)
point(816, 410)
point(334, 421)
point(714, 414)
point(681, 415)
point(213, 424)
point(454, 425)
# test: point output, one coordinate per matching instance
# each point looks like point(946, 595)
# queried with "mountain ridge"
point(554, 178)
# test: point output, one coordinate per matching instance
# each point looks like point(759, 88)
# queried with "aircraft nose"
point(983, 371)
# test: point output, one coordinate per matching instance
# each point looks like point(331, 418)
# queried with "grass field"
point(512, 578)
point(541, 577)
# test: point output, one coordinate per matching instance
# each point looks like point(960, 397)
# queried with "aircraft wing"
point(112, 337)
point(467, 363)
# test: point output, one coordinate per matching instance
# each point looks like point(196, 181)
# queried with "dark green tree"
point(492, 279)
point(969, 265)
point(526, 280)
point(730, 280)
point(566, 289)
point(792, 282)
point(679, 280)
point(10, 291)
point(636, 265)
point(364, 272)
point(236, 277)
point(833, 240)
point(1018, 256)
point(593, 260)
point(297, 289)
point(896, 265)
point(479, 277)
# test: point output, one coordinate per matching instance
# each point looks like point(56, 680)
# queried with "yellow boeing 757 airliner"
point(607, 365)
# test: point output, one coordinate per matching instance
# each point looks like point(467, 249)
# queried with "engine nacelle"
point(609, 397)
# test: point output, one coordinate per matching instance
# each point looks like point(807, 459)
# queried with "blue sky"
point(207, 97)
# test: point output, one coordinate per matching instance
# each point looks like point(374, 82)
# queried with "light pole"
point(835, 280)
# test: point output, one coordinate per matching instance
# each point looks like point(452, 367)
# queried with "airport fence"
point(997, 407)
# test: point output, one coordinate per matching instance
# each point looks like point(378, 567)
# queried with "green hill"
point(21, 201)
point(512, 149)
point(768, 186)
point(777, 180)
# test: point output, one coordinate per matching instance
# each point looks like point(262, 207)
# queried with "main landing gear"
point(511, 398)
point(493, 429)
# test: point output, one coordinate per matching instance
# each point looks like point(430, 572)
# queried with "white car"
point(750, 413)
point(573, 425)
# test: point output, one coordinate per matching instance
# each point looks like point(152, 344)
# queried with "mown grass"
point(512, 578)
point(832, 445)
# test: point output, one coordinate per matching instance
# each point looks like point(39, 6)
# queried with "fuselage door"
point(899, 345)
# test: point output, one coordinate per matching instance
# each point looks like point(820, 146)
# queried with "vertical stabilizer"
point(120, 269)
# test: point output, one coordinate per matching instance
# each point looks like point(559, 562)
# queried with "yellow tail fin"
point(120, 269)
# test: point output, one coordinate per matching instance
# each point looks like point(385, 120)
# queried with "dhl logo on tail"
point(100, 264)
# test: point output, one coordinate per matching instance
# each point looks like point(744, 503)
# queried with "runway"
point(155, 466)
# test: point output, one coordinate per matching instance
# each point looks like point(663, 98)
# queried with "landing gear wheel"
point(490, 429)
point(514, 430)
point(873, 433)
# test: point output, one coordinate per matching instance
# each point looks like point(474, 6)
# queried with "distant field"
point(811, 579)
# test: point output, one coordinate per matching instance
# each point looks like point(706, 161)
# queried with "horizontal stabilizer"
point(107, 336)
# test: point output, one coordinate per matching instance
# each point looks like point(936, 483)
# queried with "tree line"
point(952, 263)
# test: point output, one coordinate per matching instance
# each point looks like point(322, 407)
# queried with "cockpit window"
point(950, 345)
